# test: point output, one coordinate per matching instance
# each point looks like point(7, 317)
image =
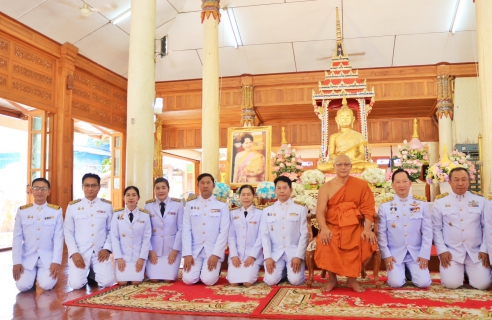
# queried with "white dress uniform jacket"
point(166, 231)
point(38, 234)
point(458, 225)
point(405, 227)
point(205, 231)
point(244, 242)
point(488, 225)
point(205, 226)
point(284, 236)
point(87, 231)
point(166, 236)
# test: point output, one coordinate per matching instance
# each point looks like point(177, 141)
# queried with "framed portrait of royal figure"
point(248, 155)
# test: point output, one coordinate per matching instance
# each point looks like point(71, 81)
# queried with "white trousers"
point(163, 270)
point(130, 273)
point(420, 278)
point(242, 274)
point(478, 275)
point(104, 275)
point(200, 271)
point(42, 273)
point(282, 268)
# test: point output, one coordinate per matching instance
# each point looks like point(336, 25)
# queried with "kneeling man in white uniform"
point(405, 234)
point(284, 236)
point(87, 235)
point(205, 231)
point(458, 224)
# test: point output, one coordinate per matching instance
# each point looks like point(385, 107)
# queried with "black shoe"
point(408, 275)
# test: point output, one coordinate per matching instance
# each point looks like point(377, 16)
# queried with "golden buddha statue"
point(348, 142)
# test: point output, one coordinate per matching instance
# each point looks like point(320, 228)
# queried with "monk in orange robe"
point(345, 212)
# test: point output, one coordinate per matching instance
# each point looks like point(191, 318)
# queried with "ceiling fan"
point(349, 54)
point(86, 10)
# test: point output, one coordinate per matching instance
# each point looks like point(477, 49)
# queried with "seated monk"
point(344, 244)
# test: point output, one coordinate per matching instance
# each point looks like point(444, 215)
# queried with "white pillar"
point(445, 112)
point(483, 9)
point(141, 93)
point(433, 148)
point(210, 87)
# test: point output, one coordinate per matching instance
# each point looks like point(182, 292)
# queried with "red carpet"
point(287, 302)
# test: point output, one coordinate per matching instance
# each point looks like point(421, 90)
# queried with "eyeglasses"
point(88, 186)
point(343, 164)
point(36, 188)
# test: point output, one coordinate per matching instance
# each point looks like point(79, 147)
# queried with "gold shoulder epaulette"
point(149, 201)
point(299, 203)
point(388, 199)
point(53, 206)
point(421, 198)
point(268, 204)
point(489, 198)
point(143, 210)
point(193, 197)
point(442, 195)
point(176, 199)
point(75, 201)
point(476, 193)
point(120, 209)
point(26, 206)
point(105, 200)
point(221, 199)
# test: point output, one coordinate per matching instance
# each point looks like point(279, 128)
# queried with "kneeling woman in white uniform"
point(245, 250)
point(130, 237)
point(166, 216)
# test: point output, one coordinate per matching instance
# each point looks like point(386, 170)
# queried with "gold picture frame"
point(248, 162)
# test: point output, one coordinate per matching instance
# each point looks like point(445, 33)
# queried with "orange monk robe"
point(346, 209)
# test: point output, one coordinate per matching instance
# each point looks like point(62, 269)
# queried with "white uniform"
point(245, 242)
point(166, 236)
point(488, 225)
point(405, 233)
point(37, 243)
point(284, 236)
point(205, 231)
point(87, 225)
point(130, 241)
point(458, 228)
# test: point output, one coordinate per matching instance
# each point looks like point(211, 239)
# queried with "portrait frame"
point(241, 173)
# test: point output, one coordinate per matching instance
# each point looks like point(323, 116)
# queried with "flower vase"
point(444, 187)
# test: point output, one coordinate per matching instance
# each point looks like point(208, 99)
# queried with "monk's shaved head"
point(342, 159)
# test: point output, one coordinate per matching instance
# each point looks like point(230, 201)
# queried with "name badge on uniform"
point(293, 214)
point(235, 217)
point(253, 222)
point(101, 211)
point(171, 213)
point(30, 217)
point(140, 221)
point(48, 218)
point(215, 210)
point(473, 204)
point(80, 208)
point(447, 205)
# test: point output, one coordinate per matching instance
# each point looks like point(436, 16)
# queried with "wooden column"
point(61, 167)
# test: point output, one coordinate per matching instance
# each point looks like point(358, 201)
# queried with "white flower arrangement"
point(221, 190)
point(309, 201)
point(297, 189)
point(266, 190)
point(313, 177)
point(374, 176)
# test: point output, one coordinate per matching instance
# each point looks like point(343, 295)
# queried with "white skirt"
point(130, 273)
point(242, 274)
point(163, 270)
